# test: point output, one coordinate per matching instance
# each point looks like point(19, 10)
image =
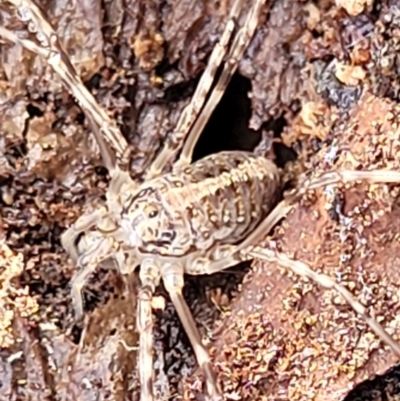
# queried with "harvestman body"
point(188, 221)
point(200, 218)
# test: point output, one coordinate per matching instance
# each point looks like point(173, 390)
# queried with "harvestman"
point(119, 230)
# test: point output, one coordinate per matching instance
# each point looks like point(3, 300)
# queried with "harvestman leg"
point(239, 45)
point(53, 51)
point(247, 249)
point(78, 281)
point(173, 278)
point(121, 182)
point(329, 178)
point(192, 110)
point(327, 282)
point(149, 278)
point(172, 275)
point(238, 254)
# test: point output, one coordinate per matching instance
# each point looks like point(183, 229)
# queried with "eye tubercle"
point(152, 214)
point(151, 211)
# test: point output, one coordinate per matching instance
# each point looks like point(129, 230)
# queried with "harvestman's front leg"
point(53, 51)
point(238, 47)
point(191, 111)
point(172, 275)
point(150, 278)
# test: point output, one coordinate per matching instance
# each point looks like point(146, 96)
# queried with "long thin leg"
point(105, 151)
point(150, 278)
point(325, 281)
point(53, 51)
point(329, 178)
point(239, 45)
point(233, 253)
point(191, 111)
point(335, 177)
point(145, 328)
point(173, 280)
point(300, 268)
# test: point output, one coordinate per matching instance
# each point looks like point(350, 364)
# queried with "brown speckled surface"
point(284, 337)
point(324, 81)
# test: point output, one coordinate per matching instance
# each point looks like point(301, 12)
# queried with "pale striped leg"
point(52, 50)
point(232, 254)
point(325, 281)
point(78, 281)
point(149, 278)
point(191, 111)
point(329, 178)
point(239, 45)
point(173, 281)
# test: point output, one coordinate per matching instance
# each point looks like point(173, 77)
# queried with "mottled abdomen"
point(218, 199)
